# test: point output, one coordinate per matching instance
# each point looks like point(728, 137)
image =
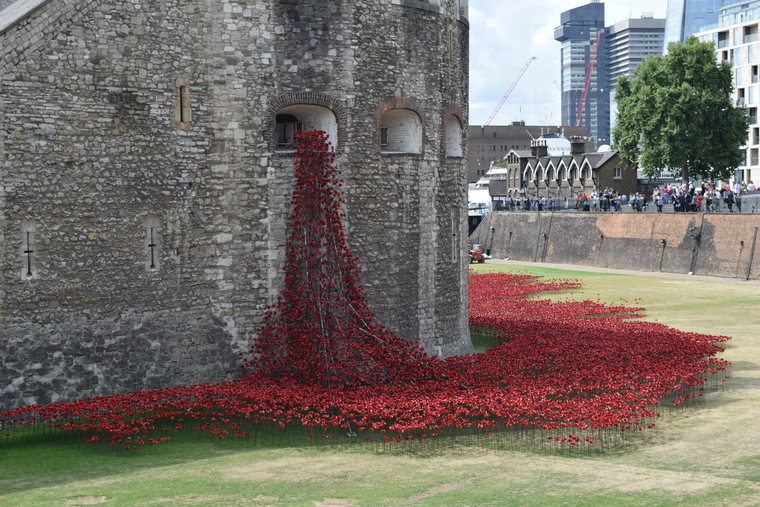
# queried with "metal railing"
point(749, 203)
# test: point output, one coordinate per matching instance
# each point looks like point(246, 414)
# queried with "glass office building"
point(687, 17)
point(579, 30)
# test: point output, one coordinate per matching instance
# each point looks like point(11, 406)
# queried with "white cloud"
point(504, 34)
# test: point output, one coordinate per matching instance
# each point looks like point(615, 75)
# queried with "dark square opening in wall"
point(287, 127)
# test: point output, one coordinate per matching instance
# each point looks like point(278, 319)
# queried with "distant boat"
point(478, 204)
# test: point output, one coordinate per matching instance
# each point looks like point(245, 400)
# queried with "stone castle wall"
point(704, 244)
point(102, 176)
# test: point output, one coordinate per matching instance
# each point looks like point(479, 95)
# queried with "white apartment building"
point(629, 42)
point(737, 40)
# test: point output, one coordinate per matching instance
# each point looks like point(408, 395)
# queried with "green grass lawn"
point(705, 454)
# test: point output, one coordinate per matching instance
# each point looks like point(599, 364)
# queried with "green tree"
point(677, 112)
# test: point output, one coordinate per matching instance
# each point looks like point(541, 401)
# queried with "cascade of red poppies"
point(577, 372)
point(322, 329)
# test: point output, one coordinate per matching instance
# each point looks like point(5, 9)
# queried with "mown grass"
point(483, 339)
point(704, 454)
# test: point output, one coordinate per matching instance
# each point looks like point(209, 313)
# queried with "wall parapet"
point(17, 11)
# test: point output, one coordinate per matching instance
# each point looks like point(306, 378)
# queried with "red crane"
point(509, 91)
point(589, 71)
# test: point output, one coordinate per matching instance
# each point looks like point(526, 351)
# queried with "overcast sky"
point(504, 34)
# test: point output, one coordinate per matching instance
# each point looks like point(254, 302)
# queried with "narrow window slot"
point(28, 251)
point(182, 100)
point(152, 247)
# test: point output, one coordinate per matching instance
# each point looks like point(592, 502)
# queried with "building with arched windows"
point(539, 173)
point(148, 166)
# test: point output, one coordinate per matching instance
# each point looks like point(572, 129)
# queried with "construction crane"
point(509, 91)
point(589, 71)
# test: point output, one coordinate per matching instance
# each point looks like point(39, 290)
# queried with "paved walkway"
point(654, 274)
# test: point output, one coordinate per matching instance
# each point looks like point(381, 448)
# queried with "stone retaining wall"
point(706, 244)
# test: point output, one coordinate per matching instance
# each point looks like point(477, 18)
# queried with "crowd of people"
point(684, 198)
point(607, 200)
point(705, 198)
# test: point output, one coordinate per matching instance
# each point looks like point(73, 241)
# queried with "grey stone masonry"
point(145, 179)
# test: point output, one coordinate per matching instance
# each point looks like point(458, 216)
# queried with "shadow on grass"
point(34, 458)
point(38, 457)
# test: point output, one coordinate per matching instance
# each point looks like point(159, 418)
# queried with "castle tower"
point(148, 168)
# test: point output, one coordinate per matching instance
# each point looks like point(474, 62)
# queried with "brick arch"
point(306, 98)
point(455, 111)
point(401, 103)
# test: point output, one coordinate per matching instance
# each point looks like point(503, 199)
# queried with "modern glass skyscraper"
point(687, 17)
point(579, 34)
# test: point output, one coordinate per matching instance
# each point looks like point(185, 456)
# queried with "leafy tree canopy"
point(677, 112)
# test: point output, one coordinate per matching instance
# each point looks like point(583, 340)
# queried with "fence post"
point(489, 244)
point(509, 243)
point(697, 235)
point(599, 251)
point(547, 235)
point(664, 244)
point(751, 255)
point(538, 238)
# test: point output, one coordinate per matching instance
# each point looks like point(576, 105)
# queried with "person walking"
point(584, 206)
point(657, 199)
point(728, 197)
point(689, 202)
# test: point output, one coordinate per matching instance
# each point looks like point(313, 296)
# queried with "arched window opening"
point(400, 132)
point(292, 119)
point(453, 136)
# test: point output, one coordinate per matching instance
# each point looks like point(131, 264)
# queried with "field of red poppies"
point(567, 371)
point(572, 366)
